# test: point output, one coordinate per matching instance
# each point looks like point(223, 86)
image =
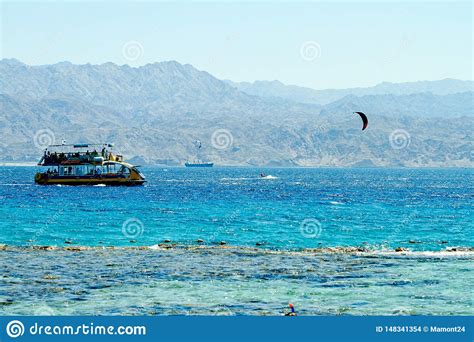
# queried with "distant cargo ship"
point(198, 164)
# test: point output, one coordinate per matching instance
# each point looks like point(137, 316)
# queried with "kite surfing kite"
point(364, 119)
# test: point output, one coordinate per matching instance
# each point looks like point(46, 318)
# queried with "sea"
point(227, 241)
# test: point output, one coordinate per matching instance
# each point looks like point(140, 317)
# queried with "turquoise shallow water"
point(233, 281)
point(374, 210)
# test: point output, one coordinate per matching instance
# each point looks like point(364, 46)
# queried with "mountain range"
point(155, 114)
point(276, 89)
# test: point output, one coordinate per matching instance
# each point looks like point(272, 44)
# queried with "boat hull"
point(199, 164)
point(85, 180)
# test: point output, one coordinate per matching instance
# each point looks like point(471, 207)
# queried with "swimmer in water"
point(292, 312)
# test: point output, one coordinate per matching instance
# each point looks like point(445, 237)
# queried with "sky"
point(314, 44)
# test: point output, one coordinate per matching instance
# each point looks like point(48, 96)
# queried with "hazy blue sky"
point(361, 44)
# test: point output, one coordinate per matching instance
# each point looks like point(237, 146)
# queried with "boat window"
point(124, 170)
point(80, 170)
point(107, 168)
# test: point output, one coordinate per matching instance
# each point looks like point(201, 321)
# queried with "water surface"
point(300, 208)
point(225, 241)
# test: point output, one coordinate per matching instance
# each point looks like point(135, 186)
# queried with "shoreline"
point(355, 251)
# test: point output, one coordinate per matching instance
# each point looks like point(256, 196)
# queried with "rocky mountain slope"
point(156, 112)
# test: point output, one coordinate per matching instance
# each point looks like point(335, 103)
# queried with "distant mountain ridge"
point(154, 113)
point(110, 84)
point(276, 89)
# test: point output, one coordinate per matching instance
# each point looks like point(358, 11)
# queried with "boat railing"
point(94, 157)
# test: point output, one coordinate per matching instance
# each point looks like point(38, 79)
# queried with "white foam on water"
point(101, 185)
point(269, 177)
point(16, 184)
point(416, 254)
point(177, 180)
point(336, 203)
point(234, 179)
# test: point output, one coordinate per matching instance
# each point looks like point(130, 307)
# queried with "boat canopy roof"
point(75, 154)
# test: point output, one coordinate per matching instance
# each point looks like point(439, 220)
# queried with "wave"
point(236, 179)
point(467, 252)
point(16, 184)
point(248, 178)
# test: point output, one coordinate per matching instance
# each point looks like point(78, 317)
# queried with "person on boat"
point(99, 172)
point(45, 157)
point(263, 175)
point(103, 153)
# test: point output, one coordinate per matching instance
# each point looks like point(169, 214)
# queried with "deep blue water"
point(419, 209)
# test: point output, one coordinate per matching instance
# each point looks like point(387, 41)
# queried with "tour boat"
point(86, 164)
